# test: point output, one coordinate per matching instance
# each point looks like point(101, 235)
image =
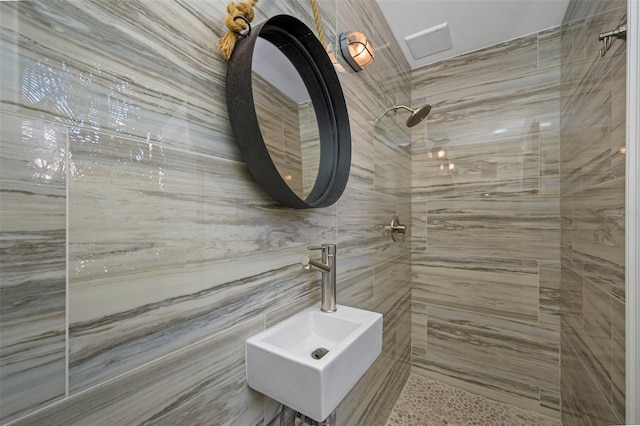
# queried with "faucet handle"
point(329, 248)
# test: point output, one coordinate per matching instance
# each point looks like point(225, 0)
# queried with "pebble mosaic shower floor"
point(427, 402)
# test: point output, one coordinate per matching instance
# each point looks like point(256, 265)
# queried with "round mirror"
point(288, 114)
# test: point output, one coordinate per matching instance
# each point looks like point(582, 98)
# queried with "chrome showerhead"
point(417, 115)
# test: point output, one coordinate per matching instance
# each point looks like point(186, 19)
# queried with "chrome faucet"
point(328, 268)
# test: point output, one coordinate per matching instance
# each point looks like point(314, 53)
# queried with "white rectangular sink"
point(280, 363)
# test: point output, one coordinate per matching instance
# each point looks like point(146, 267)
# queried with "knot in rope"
point(235, 26)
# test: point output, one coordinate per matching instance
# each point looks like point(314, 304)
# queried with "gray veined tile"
point(157, 233)
point(400, 322)
point(362, 159)
point(549, 48)
point(566, 231)
point(33, 170)
point(113, 344)
point(381, 405)
point(592, 286)
point(418, 327)
point(577, 54)
point(359, 400)
point(503, 167)
point(362, 239)
point(571, 300)
point(145, 71)
point(550, 402)
point(570, 163)
point(357, 290)
point(392, 285)
point(618, 367)
point(418, 225)
point(521, 227)
point(568, 33)
point(598, 235)
point(588, 353)
point(594, 342)
point(390, 147)
point(582, 402)
point(580, 10)
point(597, 151)
point(502, 287)
point(549, 293)
point(550, 159)
point(506, 360)
point(506, 60)
point(201, 384)
point(384, 380)
point(501, 108)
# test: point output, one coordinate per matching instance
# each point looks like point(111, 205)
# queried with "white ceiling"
point(474, 24)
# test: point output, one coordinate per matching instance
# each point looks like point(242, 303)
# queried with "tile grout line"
point(530, 323)
point(538, 298)
point(67, 286)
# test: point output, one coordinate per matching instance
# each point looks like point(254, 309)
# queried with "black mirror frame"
point(298, 43)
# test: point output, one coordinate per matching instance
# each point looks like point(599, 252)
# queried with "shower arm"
point(394, 108)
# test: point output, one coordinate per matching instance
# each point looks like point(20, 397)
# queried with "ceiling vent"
point(432, 40)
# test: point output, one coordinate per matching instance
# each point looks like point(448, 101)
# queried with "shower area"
point(518, 220)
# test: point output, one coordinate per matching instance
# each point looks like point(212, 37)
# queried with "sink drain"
point(319, 353)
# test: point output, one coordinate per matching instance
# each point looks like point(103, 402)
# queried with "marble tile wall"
point(593, 216)
point(486, 223)
point(33, 168)
point(137, 251)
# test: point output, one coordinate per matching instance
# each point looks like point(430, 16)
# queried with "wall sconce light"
point(356, 50)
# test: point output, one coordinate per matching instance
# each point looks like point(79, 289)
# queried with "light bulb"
point(356, 50)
